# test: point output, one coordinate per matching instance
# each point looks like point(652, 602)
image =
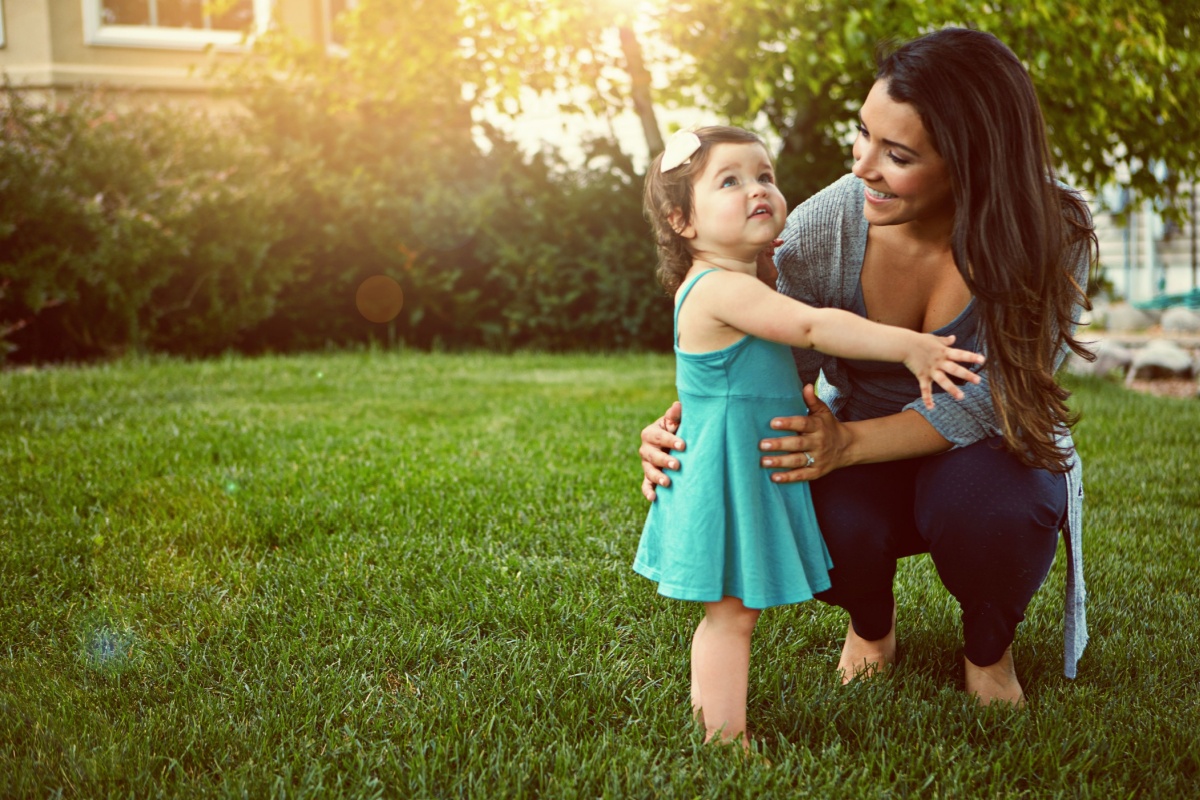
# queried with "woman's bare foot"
point(863, 658)
point(995, 684)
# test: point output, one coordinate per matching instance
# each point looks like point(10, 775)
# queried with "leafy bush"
point(167, 229)
point(153, 228)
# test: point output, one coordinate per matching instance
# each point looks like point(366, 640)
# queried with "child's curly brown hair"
point(667, 192)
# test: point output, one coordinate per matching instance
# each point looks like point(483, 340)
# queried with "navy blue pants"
point(989, 522)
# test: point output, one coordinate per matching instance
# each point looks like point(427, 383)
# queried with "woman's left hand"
point(820, 448)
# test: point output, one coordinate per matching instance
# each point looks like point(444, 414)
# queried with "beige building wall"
point(46, 47)
point(26, 36)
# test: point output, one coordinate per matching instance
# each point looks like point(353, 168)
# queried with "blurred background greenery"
point(188, 229)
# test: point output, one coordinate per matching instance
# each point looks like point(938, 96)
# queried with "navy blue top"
point(880, 388)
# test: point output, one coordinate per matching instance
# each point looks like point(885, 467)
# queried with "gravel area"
point(1168, 387)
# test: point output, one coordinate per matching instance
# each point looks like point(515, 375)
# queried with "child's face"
point(736, 208)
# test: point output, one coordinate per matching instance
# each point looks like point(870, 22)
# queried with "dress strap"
point(687, 288)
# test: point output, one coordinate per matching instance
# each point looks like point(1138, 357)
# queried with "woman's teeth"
point(879, 195)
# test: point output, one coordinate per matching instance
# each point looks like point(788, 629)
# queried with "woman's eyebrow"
point(892, 142)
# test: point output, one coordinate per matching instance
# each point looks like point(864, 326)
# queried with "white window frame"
point(327, 14)
point(95, 32)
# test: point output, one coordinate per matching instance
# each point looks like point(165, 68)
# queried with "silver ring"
point(811, 460)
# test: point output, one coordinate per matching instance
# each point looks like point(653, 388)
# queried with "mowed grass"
point(407, 575)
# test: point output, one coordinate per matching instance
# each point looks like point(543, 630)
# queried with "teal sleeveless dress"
point(722, 528)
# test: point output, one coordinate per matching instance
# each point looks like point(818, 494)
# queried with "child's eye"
point(767, 177)
point(730, 181)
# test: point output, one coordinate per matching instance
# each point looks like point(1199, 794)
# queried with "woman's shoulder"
point(1080, 245)
point(844, 193)
point(833, 210)
point(1074, 204)
point(823, 234)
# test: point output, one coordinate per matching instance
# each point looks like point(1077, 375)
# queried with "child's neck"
point(728, 263)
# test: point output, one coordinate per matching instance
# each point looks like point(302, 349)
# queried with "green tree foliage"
point(1117, 81)
point(587, 55)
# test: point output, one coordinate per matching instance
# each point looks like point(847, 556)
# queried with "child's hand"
point(932, 359)
point(765, 264)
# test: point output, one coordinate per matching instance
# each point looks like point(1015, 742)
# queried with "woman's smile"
point(878, 196)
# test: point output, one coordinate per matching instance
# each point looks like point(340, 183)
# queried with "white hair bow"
point(680, 149)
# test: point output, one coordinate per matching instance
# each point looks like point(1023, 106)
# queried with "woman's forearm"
point(891, 438)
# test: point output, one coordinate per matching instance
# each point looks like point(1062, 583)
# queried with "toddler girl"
point(724, 534)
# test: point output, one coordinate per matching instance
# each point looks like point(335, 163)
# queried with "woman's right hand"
point(658, 440)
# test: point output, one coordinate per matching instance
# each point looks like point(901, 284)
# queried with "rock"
point(1160, 358)
point(1110, 357)
point(1097, 316)
point(1124, 318)
point(1180, 320)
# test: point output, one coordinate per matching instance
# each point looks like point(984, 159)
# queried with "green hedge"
point(168, 229)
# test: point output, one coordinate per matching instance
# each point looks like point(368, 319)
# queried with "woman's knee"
point(982, 494)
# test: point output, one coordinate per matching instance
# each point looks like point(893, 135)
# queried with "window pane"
point(181, 13)
point(125, 12)
point(231, 16)
point(336, 7)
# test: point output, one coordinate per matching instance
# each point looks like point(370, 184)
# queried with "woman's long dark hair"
point(1018, 234)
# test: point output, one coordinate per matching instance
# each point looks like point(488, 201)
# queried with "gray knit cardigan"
point(820, 263)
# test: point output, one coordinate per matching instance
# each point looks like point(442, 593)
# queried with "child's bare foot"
point(995, 684)
point(863, 658)
point(719, 736)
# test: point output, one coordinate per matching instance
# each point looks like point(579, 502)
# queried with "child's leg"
point(697, 706)
point(721, 667)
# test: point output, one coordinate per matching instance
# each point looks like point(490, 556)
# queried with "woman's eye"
point(897, 159)
point(862, 131)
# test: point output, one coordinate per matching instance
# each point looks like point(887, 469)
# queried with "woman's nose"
point(862, 161)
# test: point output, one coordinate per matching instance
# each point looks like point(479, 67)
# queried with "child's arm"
point(744, 303)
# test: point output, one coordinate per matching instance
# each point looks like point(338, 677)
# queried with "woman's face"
point(907, 180)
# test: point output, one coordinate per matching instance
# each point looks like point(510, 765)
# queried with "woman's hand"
point(658, 440)
point(823, 441)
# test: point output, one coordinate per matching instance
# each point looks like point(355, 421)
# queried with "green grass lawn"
point(399, 575)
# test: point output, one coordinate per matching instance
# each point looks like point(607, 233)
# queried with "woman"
point(951, 222)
